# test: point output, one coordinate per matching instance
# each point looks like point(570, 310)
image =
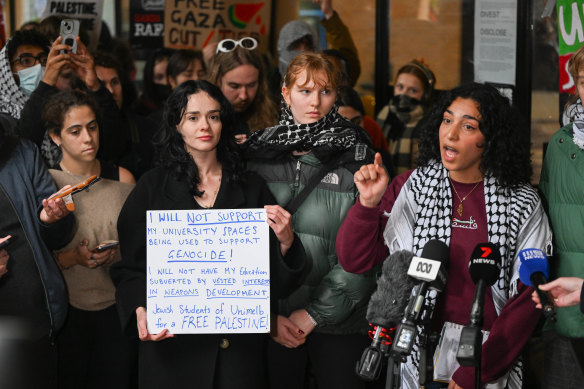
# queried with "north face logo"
point(331, 178)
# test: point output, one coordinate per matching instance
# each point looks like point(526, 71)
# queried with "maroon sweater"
point(360, 246)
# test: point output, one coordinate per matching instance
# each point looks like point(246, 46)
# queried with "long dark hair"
point(506, 151)
point(171, 146)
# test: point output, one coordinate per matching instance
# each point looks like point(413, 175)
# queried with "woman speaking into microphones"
point(471, 186)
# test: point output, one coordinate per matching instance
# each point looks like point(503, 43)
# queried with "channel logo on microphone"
point(424, 269)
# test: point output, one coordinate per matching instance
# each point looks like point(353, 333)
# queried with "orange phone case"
point(67, 193)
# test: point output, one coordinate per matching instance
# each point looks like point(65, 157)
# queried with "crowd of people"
point(229, 129)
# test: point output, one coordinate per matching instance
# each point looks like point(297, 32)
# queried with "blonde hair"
point(313, 63)
point(576, 63)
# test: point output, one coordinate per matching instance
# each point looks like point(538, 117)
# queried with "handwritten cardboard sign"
point(194, 24)
point(208, 271)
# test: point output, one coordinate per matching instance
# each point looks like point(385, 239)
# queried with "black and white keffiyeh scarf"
point(423, 211)
point(329, 134)
point(12, 99)
point(578, 127)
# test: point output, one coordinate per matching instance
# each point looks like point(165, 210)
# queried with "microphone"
point(385, 310)
point(484, 267)
point(431, 270)
point(534, 271)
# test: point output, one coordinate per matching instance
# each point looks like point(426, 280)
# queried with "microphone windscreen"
point(438, 251)
point(389, 301)
point(532, 261)
point(485, 263)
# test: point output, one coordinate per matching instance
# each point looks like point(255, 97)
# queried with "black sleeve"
point(129, 275)
point(31, 124)
point(58, 234)
point(287, 271)
point(112, 136)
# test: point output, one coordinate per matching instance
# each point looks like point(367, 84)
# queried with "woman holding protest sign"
point(200, 169)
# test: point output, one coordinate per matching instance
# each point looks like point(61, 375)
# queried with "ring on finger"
point(95, 262)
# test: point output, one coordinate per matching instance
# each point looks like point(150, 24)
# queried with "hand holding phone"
point(69, 31)
point(4, 255)
point(7, 240)
point(66, 194)
point(108, 244)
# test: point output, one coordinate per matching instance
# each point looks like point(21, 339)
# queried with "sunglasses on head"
point(227, 45)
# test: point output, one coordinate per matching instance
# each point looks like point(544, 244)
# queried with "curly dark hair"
point(61, 103)
point(506, 151)
point(26, 37)
point(171, 146)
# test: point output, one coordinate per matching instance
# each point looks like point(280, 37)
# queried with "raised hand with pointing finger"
point(371, 180)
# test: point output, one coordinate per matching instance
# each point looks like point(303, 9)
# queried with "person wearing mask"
point(156, 88)
point(471, 186)
point(412, 94)
point(561, 186)
point(200, 169)
point(22, 67)
point(237, 70)
point(183, 65)
point(30, 124)
point(321, 326)
point(135, 139)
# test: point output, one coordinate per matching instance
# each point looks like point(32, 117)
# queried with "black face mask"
point(161, 91)
point(405, 103)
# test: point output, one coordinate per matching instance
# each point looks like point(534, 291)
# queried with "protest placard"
point(208, 271)
point(88, 12)
point(146, 24)
point(571, 38)
point(196, 23)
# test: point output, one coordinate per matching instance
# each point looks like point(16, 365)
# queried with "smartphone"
point(70, 31)
point(106, 245)
point(7, 242)
point(67, 194)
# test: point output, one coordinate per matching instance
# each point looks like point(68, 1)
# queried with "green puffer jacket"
point(562, 187)
point(336, 299)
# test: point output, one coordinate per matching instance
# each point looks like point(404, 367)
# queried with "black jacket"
point(40, 294)
point(195, 357)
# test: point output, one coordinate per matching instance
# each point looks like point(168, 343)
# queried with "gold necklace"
point(460, 207)
point(210, 204)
